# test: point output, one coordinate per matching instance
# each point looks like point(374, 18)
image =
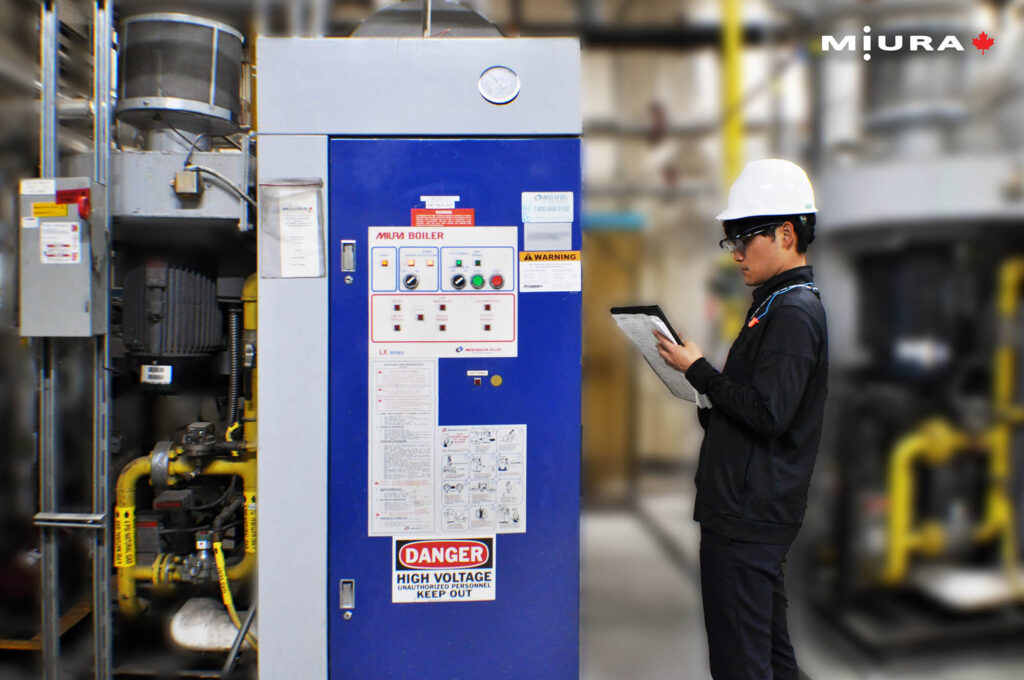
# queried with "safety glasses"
point(738, 244)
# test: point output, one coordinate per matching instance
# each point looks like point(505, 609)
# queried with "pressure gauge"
point(499, 84)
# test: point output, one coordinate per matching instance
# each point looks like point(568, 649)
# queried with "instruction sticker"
point(547, 206)
point(60, 243)
point(403, 418)
point(443, 570)
point(550, 271)
point(482, 478)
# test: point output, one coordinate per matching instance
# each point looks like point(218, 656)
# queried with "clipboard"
point(638, 323)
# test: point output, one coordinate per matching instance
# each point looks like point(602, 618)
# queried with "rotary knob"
point(459, 281)
point(411, 281)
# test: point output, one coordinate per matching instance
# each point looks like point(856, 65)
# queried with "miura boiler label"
point(897, 42)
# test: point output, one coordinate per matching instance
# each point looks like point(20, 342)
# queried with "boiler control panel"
point(443, 292)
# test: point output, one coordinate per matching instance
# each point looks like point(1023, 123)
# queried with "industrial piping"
point(164, 569)
point(935, 443)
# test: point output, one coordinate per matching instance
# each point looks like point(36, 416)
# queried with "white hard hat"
point(769, 187)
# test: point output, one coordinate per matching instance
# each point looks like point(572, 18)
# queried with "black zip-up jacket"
point(762, 432)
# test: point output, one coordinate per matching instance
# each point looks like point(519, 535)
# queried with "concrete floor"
point(641, 615)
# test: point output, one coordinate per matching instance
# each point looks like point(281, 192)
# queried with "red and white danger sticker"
point(455, 217)
point(443, 570)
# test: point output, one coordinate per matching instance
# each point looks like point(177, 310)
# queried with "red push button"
point(497, 281)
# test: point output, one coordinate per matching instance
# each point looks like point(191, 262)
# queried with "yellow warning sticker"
point(549, 256)
point(49, 210)
point(250, 523)
point(124, 537)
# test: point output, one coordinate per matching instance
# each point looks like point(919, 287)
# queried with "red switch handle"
point(84, 207)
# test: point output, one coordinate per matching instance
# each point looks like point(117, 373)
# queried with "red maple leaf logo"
point(983, 42)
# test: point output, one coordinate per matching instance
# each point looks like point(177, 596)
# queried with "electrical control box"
point(454, 513)
point(64, 260)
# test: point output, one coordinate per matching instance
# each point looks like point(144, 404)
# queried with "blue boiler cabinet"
point(454, 407)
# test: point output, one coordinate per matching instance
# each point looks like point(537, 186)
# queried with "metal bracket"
point(75, 520)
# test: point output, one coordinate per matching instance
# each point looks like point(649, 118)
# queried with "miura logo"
point(897, 43)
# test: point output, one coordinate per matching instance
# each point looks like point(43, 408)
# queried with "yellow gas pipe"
point(732, 89)
point(934, 443)
point(1000, 512)
point(249, 319)
point(163, 568)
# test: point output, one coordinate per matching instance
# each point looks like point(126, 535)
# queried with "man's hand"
point(678, 357)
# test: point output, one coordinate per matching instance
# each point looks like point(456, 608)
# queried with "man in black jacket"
point(763, 428)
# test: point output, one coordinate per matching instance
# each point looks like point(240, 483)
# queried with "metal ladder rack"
point(50, 519)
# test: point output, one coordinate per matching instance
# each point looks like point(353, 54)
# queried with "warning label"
point(547, 272)
point(250, 523)
point(49, 210)
point(124, 537)
point(443, 570)
point(551, 256)
point(455, 217)
point(60, 243)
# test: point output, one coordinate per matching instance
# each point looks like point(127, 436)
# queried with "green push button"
point(477, 281)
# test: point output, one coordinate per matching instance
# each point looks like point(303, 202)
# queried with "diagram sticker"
point(443, 570)
point(481, 479)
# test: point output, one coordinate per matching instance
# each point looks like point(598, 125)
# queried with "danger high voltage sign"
point(443, 570)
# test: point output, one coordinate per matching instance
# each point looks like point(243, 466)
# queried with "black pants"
point(745, 609)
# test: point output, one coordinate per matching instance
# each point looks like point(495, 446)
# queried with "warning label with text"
point(455, 217)
point(548, 272)
point(443, 570)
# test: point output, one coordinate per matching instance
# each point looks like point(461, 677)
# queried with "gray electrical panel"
point(64, 260)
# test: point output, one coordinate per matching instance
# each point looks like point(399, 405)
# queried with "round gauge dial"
point(499, 85)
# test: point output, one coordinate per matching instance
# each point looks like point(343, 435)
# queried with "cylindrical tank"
point(183, 70)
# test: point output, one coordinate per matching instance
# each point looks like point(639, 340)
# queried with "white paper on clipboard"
point(639, 328)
